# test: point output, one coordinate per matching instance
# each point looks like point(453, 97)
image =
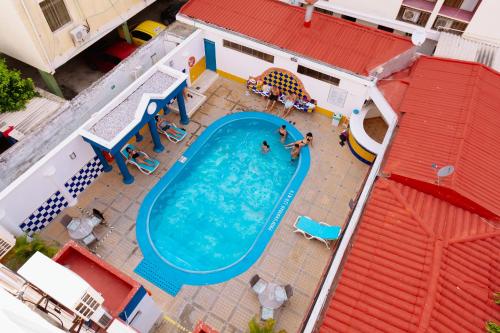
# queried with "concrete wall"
point(16, 37)
point(253, 66)
point(35, 189)
point(485, 23)
point(178, 59)
point(381, 8)
point(23, 183)
point(24, 18)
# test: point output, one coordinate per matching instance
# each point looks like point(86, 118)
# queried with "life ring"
point(191, 61)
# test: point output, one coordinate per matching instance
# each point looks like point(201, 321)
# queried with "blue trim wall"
point(129, 309)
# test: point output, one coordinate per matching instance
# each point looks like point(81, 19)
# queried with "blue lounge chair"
point(144, 168)
point(174, 137)
point(317, 230)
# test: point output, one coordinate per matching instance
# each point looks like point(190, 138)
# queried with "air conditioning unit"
point(442, 22)
point(101, 317)
point(7, 241)
point(411, 15)
point(79, 34)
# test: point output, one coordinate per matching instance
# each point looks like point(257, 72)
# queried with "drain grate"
point(158, 276)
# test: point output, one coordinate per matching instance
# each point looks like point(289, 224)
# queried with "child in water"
point(295, 151)
point(265, 147)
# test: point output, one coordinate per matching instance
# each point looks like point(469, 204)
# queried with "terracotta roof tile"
point(332, 40)
point(450, 115)
point(411, 270)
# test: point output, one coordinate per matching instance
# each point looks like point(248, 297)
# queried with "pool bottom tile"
point(155, 274)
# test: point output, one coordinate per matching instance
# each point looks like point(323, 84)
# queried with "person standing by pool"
point(283, 133)
point(295, 151)
point(275, 94)
point(289, 103)
point(265, 147)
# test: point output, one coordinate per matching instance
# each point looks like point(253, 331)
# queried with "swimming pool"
point(212, 214)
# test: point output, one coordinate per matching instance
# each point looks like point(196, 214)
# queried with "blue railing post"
point(100, 156)
point(158, 147)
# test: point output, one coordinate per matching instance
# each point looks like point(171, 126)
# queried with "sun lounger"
point(174, 137)
point(144, 168)
point(317, 230)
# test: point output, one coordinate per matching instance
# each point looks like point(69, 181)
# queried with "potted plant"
point(23, 250)
point(265, 327)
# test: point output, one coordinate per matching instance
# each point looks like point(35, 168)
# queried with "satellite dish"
point(418, 37)
point(445, 171)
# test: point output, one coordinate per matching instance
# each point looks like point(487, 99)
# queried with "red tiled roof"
point(332, 40)
point(418, 264)
point(450, 115)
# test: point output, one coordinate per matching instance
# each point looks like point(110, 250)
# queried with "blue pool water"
point(210, 217)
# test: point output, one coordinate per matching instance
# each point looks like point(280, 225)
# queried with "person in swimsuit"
point(289, 103)
point(138, 156)
point(304, 142)
point(265, 147)
point(283, 133)
point(163, 125)
point(295, 151)
point(275, 94)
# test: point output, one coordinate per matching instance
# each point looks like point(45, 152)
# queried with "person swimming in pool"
point(295, 151)
point(139, 157)
point(283, 133)
point(304, 142)
point(265, 147)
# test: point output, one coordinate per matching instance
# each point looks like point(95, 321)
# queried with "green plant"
point(491, 327)
point(265, 327)
point(15, 91)
point(24, 249)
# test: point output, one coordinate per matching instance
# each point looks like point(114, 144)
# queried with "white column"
point(434, 14)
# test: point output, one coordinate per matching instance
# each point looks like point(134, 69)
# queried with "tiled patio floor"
point(335, 177)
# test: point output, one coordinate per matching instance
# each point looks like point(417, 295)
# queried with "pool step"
point(158, 276)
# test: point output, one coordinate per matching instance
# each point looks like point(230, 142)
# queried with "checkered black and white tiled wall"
point(44, 214)
point(84, 177)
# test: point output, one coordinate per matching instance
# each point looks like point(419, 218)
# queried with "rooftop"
point(418, 264)
point(335, 176)
point(116, 288)
point(449, 115)
point(331, 40)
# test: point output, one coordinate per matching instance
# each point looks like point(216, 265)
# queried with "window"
point(384, 28)
point(140, 35)
point(249, 51)
point(348, 18)
point(318, 75)
point(55, 13)
point(324, 11)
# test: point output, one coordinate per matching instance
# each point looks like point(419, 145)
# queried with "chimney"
point(309, 12)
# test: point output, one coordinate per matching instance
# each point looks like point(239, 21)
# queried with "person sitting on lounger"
point(138, 156)
point(164, 125)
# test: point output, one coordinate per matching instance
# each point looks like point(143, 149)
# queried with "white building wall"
point(485, 25)
point(16, 39)
point(243, 66)
point(381, 8)
point(34, 188)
